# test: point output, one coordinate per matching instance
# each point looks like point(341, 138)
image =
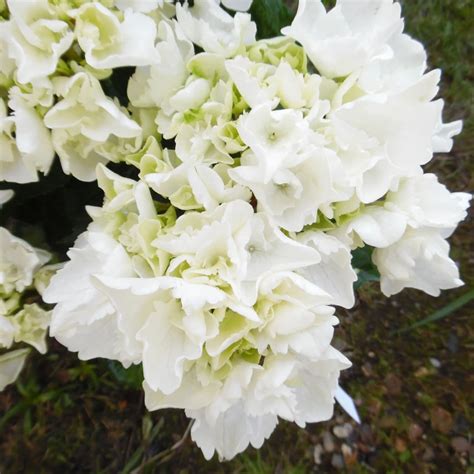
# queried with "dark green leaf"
point(448, 310)
point(271, 16)
point(131, 378)
point(362, 262)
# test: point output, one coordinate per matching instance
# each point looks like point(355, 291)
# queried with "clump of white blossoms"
point(259, 166)
point(21, 270)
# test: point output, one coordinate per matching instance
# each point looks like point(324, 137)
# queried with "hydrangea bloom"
point(255, 168)
point(85, 117)
point(109, 43)
point(25, 143)
point(19, 322)
point(36, 39)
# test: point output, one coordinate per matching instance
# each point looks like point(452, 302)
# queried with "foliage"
point(271, 16)
point(362, 261)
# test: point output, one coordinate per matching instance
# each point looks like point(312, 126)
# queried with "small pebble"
point(414, 432)
point(400, 445)
point(435, 363)
point(318, 451)
point(453, 342)
point(428, 455)
point(346, 450)
point(328, 442)
point(460, 444)
point(441, 420)
point(342, 431)
point(393, 384)
point(422, 372)
point(367, 369)
point(350, 456)
point(337, 461)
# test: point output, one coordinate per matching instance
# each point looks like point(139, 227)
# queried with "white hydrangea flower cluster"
point(20, 265)
point(52, 55)
point(261, 165)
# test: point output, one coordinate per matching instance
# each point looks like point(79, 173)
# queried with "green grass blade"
point(442, 313)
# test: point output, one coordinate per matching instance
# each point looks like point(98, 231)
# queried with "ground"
point(413, 389)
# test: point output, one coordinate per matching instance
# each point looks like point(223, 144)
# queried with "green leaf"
point(134, 460)
point(271, 16)
point(448, 310)
point(364, 277)
point(362, 262)
point(131, 378)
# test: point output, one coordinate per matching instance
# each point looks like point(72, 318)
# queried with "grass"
point(64, 415)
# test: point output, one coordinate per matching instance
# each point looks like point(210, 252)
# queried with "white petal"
point(232, 432)
point(11, 365)
point(378, 227)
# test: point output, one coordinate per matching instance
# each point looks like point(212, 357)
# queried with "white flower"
point(231, 432)
point(374, 226)
point(210, 27)
point(285, 386)
point(5, 196)
point(420, 259)
point(296, 316)
point(348, 37)
point(274, 135)
point(255, 385)
point(261, 83)
point(395, 74)
point(419, 202)
point(212, 187)
point(383, 138)
point(109, 43)
point(84, 119)
point(19, 262)
point(224, 285)
point(163, 316)
point(153, 86)
point(252, 80)
point(7, 65)
point(7, 332)
point(428, 203)
point(83, 319)
point(85, 109)
point(241, 332)
point(297, 389)
point(130, 217)
point(36, 39)
point(444, 133)
point(295, 192)
point(197, 175)
point(334, 273)
point(290, 172)
point(77, 153)
point(195, 185)
point(43, 276)
point(233, 244)
point(25, 143)
point(11, 364)
point(294, 89)
point(40, 93)
point(31, 325)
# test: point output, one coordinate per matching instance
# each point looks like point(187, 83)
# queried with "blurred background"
point(412, 376)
